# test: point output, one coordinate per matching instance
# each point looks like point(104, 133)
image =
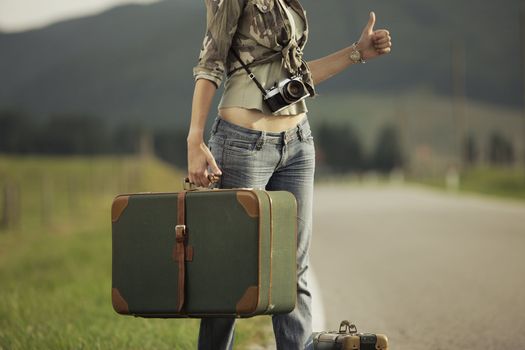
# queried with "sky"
point(19, 15)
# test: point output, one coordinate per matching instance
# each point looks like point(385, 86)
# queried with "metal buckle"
point(187, 185)
point(180, 232)
point(251, 76)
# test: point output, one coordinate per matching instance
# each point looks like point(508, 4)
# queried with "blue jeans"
point(273, 161)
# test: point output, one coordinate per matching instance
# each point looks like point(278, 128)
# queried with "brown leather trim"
point(180, 249)
point(189, 253)
point(249, 301)
point(181, 212)
point(119, 304)
point(249, 202)
point(252, 204)
point(117, 208)
point(382, 342)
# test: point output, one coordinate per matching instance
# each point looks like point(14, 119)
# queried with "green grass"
point(55, 264)
point(498, 182)
point(502, 182)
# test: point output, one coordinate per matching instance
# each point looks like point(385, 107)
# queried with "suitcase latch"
point(180, 232)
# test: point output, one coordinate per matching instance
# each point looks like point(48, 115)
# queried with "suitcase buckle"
point(180, 232)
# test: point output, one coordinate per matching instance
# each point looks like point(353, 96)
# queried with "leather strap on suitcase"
point(181, 252)
point(180, 247)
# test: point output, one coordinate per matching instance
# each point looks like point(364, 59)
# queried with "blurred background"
point(420, 155)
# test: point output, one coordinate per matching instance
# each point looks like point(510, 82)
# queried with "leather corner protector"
point(119, 303)
point(248, 303)
point(351, 342)
point(249, 202)
point(119, 204)
point(382, 342)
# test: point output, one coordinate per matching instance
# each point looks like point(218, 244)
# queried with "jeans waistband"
point(301, 131)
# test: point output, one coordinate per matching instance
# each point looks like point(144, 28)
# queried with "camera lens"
point(294, 90)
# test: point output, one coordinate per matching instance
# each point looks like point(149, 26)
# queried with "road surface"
point(431, 270)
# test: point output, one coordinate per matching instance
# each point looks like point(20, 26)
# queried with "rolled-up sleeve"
point(222, 18)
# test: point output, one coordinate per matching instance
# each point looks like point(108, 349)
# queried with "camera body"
point(285, 93)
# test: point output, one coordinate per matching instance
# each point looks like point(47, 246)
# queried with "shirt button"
point(265, 7)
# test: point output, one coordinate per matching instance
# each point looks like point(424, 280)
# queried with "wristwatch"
point(355, 55)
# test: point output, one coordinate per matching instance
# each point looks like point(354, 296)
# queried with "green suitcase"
point(205, 253)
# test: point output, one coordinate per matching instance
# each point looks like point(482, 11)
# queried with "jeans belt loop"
point(284, 135)
point(260, 140)
point(300, 132)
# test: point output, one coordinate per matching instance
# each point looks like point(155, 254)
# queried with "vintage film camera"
point(285, 93)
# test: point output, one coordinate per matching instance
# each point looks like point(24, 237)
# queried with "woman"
point(249, 145)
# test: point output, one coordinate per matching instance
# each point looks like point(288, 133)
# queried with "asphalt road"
point(430, 270)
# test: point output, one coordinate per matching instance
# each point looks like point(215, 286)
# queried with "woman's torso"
point(241, 102)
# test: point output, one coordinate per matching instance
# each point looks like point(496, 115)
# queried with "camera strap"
point(293, 38)
point(250, 73)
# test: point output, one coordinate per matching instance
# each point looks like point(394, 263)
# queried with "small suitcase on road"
point(347, 338)
point(204, 253)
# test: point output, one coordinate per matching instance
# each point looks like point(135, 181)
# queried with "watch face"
point(355, 56)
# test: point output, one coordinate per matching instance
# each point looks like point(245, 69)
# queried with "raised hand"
point(373, 43)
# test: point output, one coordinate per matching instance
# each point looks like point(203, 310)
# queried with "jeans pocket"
point(216, 138)
point(239, 154)
point(238, 145)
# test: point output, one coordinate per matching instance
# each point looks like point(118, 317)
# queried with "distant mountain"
point(134, 62)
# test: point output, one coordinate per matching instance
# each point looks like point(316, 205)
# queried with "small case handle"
point(347, 328)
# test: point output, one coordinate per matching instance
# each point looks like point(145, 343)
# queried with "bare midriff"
point(257, 120)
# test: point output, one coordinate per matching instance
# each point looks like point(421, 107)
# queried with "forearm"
point(330, 65)
point(202, 98)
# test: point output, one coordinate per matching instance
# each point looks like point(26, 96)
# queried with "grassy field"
point(496, 182)
point(508, 183)
point(55, 261)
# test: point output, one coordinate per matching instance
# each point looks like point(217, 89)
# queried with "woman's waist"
point(257, 120)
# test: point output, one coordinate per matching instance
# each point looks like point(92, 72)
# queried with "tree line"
point(71, 134)
point(499, 150)
point(338, 147)
point(342, 151)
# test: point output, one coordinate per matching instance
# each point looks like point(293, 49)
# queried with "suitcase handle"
point(187, 185)
point(347, 327)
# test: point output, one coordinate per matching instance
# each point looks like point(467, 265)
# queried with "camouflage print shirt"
point(258, 30)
